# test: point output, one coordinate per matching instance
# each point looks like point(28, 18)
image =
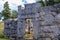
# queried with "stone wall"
point(46, 21)
point(10, 28)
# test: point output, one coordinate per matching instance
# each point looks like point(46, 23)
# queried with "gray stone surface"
point(10, 28)
point(46, 22)
point(57, 18)
point(47, 19)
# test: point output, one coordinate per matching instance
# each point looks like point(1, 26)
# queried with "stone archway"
point(22, 28)
point(29, 29)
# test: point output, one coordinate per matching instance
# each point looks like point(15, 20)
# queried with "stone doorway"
point(29, 29)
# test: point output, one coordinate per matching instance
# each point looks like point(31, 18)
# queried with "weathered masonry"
point(45, 22)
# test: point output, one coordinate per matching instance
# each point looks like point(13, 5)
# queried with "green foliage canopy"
point(14, 14)
point(6, 12)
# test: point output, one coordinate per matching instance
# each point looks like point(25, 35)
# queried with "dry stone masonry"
point(46, 22)
point(10, 27)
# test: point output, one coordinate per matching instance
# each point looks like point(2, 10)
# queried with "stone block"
point(48, 19)
point(57, 18)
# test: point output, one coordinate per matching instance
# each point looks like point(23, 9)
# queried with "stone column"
point(35, 28)
point(21, 28)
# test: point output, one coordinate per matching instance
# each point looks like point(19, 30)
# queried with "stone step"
point(29, 39)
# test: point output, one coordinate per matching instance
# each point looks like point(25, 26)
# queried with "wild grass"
point(2, 31)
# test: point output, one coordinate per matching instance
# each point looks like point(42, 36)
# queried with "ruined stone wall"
point(47, 21)
point(10, 28)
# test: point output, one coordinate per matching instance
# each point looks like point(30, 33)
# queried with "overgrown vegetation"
point(1, 31)
point(48, 2)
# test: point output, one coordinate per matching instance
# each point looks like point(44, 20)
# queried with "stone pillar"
point(35, 28)
point(21, 28)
